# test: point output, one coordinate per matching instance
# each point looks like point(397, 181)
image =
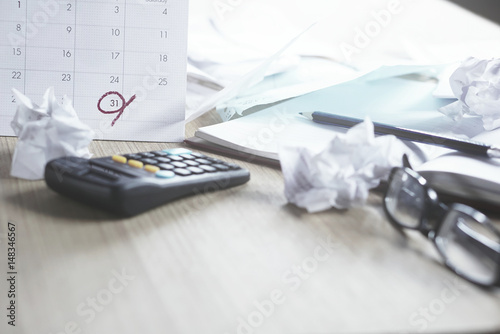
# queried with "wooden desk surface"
point(234, 261)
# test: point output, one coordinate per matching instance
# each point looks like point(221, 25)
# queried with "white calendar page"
point(121, 62)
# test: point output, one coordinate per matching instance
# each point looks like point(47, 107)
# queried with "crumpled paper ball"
point(476, 85)
point(46, 132)
point(342, 173)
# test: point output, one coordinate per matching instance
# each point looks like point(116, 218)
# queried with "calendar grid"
point(73, 95)
point(122, 62)
point(124, 41)
point(25, 53)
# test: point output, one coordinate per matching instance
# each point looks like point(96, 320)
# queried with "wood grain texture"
point(235, 261)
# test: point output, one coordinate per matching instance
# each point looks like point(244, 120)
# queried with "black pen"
point(464, 146)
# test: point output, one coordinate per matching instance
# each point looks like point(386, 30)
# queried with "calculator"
point(130, 184)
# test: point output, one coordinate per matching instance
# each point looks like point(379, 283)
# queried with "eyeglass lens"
point(405, 199)
point(469, 246)
point(467, 240)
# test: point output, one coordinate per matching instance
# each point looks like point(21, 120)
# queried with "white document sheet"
point(121, 62)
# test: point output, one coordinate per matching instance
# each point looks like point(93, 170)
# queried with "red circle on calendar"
point(120, 110)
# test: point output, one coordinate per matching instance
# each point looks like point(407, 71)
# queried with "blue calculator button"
point(177, 151)
point(165, 174)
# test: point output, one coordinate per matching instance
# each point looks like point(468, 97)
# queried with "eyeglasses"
point(465, 238)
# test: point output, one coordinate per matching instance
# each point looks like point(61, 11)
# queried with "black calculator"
point(129, 184)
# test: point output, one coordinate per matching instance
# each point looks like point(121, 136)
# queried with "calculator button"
point(166, 166)
point(203, 161)
point(63, 168)
point(187, 156)
point(149, 161)
point(111, 166)
point(182, 172)
point(147, 155)
point(133, 156)
point(195, 170)
point(112, 174)
point(198, 155)
point(102, 174)
point(221, 167)
point(175, 158)
point(119, 158)
point(209, 169)
point(162, 159)
point(232, 166)
point(135, 164)
point(177, 151)
point(191, 163)
point(159, 153)
point(151, 169)
point(179, 164)
point(165, 174)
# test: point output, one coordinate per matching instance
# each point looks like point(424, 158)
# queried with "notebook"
point(396, 101)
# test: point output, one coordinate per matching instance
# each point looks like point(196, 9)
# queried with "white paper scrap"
point(247, 81)
point(340, 174)
point(46, 132)
point(476, 85)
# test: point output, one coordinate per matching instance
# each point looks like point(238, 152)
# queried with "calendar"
point(121, 62)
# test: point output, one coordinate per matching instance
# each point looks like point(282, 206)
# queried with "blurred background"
point(229, 38)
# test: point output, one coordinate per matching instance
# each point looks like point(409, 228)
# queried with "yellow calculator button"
point(151, 168)
point(120, 159)
point(135, 164)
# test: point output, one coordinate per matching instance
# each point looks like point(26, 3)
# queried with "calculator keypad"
point(167, 164)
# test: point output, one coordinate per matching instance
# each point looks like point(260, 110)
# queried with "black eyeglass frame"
point(433, 215)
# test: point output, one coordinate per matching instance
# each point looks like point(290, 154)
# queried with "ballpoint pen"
point(465, 146)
